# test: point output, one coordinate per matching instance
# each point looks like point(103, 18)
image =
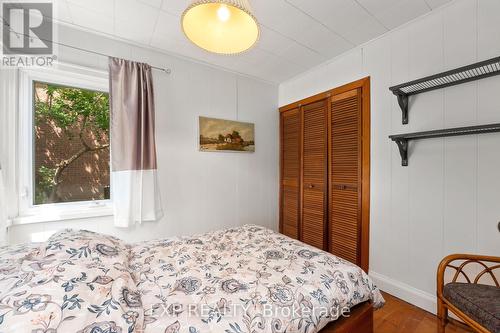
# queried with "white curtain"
point(135, 192)
point(8, 135)
point(3, 212)
point(136, 197)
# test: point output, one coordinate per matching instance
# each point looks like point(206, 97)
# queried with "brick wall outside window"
point(84, 179)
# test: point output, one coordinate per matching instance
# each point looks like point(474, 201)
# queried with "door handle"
point(311, 186)
point(344, 187)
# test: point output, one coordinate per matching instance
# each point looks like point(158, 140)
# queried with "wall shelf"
point(453, 77)
point(402, 140)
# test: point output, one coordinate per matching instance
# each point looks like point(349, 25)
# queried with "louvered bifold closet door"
point(345, 176)
point(290, 172)
point(314, 169)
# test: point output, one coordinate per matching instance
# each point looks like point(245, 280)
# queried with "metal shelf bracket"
point(403, 150)
point(403, 100)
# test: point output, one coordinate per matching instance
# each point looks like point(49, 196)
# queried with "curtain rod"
point(166, 70)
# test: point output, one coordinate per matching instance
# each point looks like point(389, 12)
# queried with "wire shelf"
point(453, 77)
point(403, 139)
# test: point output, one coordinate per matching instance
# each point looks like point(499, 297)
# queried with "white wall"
point(200, 191)
point(448, 199)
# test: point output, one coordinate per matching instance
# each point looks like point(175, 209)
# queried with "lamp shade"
point(221, 26)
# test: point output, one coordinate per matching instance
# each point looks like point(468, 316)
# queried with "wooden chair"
point(475, 304)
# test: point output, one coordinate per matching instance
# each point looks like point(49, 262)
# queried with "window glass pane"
point(71, 144)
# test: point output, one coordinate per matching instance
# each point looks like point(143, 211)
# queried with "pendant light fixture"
point(221, 26)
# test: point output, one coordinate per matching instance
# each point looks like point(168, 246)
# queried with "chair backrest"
point(487, 270)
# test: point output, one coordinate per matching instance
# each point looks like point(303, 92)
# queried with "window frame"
point(71, 76)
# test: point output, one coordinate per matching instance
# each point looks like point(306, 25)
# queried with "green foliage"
point(67, 106)
point(45, 184)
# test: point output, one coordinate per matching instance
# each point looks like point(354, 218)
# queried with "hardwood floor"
point(398, 316)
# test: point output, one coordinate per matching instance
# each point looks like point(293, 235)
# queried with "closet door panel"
point(290, 173)
point(314, 178)
point(345, 176)
point(344, 221)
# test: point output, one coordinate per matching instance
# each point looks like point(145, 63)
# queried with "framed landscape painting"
point(226, 135)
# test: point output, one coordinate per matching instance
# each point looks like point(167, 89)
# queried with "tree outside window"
point(71, 137)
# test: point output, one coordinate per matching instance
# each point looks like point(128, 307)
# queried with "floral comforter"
point(239, 280)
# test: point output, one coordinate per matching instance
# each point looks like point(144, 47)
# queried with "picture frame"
point(222, 135)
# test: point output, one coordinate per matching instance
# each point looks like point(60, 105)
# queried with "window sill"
point(58, 215)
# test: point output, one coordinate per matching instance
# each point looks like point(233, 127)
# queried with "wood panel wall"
point(447, 200)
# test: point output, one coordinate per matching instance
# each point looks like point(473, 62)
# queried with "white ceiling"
point(296, 34)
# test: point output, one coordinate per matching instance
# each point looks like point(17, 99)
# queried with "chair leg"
point(442, 314)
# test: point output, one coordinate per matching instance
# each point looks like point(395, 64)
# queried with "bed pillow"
point(78, 282)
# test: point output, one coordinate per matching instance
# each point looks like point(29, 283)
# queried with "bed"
point(237, 280)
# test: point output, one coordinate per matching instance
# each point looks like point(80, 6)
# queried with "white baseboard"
point(405, 292)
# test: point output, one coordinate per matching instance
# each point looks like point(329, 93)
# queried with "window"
point(64, 144)
point(71, 144)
